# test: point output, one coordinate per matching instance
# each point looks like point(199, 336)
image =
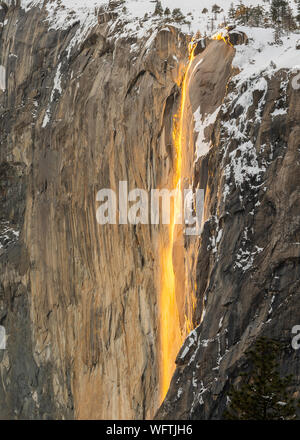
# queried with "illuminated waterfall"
point(171, 334)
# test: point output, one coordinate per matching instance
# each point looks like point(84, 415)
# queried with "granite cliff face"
point(79, 301)
point(247, 268)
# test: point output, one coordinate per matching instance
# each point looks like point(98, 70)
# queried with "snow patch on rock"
point(2, 78)
point(201, 124)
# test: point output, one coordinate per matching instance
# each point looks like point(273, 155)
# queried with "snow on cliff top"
point(259, 56)
point(63, 12)
point(262, 56)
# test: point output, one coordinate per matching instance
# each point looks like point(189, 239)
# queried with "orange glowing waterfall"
point(171, 337)
point(222, 36)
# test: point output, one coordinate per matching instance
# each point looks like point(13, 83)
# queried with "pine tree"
point(231, 12)
point(216, 10)
point(278, 10)
point(298, 11)
point(178, 15)
point(263, 393)
point(257, 15)
point(278, 34)
point(274, 12)
point(158, 8)
point(288, 19)
point(242, 14)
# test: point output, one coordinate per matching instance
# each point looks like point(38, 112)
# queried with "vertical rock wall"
point(248, 254)
point(79, 300)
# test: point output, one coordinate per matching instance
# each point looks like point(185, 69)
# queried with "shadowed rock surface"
point(248, 280)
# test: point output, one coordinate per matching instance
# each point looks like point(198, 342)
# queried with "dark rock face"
point(248, 260)
point(237, 37)
point(26, 390)
point(201, 46)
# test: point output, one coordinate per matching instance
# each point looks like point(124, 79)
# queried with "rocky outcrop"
point(237, 37)
point(79, 301)
point(248, 254)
